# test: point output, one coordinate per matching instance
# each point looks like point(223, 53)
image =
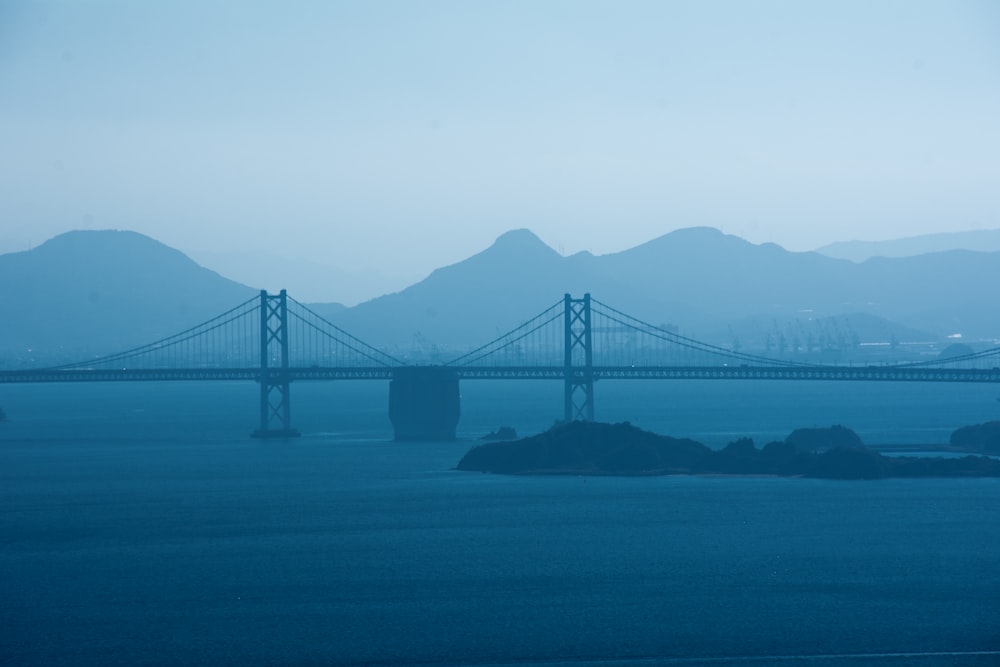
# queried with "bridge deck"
point(850, 373)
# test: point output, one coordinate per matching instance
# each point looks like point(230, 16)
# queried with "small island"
point(979, 438)
point(594, 448)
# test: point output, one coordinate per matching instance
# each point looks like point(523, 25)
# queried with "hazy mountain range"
point(98, 292)
point(699, 280)
point(981, 240)
point(311, 281)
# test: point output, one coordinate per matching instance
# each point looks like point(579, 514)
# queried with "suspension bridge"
point(274, 340)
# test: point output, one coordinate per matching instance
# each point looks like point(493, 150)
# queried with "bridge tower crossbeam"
point(577, 343)
point(275, 395)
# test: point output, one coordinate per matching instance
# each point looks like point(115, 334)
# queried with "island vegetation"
point(984, 438)
point(502, 433)
point(594, 448)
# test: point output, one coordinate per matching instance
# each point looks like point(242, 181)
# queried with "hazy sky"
point(402, 136)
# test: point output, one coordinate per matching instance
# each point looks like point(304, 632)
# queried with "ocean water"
point(140, 525)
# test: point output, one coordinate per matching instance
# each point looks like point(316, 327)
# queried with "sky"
point(395, 137)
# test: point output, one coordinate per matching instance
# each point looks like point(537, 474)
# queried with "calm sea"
point(140, 525)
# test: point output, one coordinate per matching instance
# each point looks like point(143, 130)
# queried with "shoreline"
point(926, 449)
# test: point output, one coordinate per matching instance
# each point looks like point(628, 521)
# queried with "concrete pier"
point(424, 403)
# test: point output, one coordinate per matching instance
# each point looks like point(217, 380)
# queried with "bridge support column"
point(275, 395)
point(424, 403)
point(579, 360)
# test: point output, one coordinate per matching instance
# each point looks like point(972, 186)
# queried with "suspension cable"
point(690, 343)
point(355, 339)
point(504, 336)
point(169, 341)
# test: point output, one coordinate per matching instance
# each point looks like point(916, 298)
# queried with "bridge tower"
point(275, 398)
point(579, 359)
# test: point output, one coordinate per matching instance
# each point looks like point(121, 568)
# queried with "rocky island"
point(983, 438)
point(594, 448)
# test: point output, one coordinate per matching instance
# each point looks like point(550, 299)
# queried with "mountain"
point(471, 301)
point(984, 240)
point(490, 293)
point(729, 276)
point(940, 293)
point(944, 293)
point(698, 279)
point(95, 292)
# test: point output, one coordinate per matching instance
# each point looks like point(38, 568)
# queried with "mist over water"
point(142, 526)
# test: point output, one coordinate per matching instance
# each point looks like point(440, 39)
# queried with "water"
point(141, 526)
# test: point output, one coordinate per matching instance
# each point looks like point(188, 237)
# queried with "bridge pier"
point(424, 403)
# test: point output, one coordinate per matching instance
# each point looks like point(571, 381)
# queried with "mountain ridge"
point(978, 240)
point(113, 289)
point(697, 279)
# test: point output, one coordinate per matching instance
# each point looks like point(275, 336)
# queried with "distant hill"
point(94, 292)
point(709, 284)
point(984, 240)
point(938, 293)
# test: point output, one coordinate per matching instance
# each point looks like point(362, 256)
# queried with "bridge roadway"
point(855, 373)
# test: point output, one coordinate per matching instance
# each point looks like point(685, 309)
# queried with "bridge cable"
point(169, 341)
point(355, 339)
point(364, 353)
point(505, 345)
point(479, 349)
point(691, 343)
point(974, 356)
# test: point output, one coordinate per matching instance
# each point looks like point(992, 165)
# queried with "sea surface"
point(140, 525)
